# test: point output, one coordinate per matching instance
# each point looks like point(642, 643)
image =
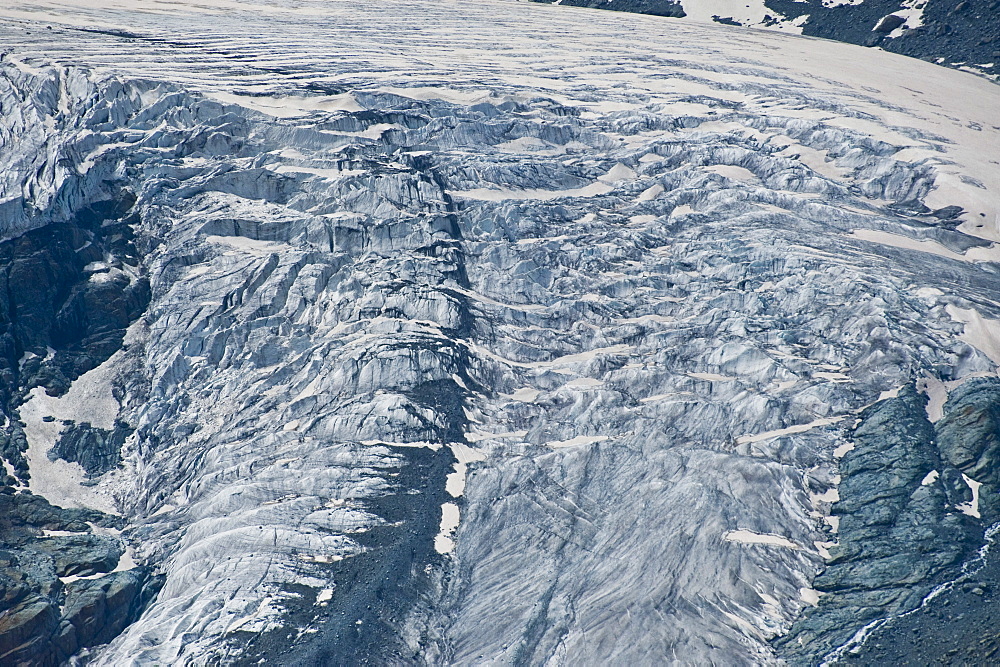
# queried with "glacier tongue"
point(616, 297)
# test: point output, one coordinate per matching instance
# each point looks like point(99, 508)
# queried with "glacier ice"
point(612, 301)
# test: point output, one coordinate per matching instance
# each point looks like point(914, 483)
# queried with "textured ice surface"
point(601, 290)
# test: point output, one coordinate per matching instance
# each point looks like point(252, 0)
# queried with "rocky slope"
point(963, 34)
point(405, 333)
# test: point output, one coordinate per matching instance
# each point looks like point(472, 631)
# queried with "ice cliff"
point(421, 332)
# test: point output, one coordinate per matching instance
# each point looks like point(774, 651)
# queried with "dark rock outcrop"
point(969, 438)
point(23, 514)
point(950, 37)
point(77, 555)
point(23, 630)
point(98, 450)
point(67, 293)
point(96, 610)
point(957, 625)
point(13, 444)
point(900, 533)
point(670, 8)
point(41, 630)
point(68, 287)
point(953, 35)
point(43, 619)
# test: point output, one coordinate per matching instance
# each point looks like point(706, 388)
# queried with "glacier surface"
point(485, 332)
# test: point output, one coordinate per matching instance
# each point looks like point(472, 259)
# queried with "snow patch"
point(799, 428)
point(650, 193)
point(980, 332)
point(453, 95)
point(810, 596)
point(823, 548)
point(433, 446)
point(937, 394)
point(711, 377)
point(912, 13)
point(443, 541)
point(466, 454)
point(841, 450)
point(499, 194)
point(748, 537)
point(583, 383)
point(89, 400)
point(989, 253)
point(746, 12)
point(831, 495)
point(523, 395)
point(577, 441)
point(972, 507)
point(732, 172)
point(455, 482)
point(254, 246)
point(291, 106)
point(617, 174)
point(890, 393)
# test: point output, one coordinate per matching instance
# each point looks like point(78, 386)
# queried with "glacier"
point(419, 332)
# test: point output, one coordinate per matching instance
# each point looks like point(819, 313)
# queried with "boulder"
point(888, 23)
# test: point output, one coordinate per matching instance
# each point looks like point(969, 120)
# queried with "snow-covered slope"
point(489, 332)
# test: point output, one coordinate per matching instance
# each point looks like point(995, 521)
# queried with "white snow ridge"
point(488, 332)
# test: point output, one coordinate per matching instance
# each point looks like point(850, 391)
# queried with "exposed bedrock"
point(955, 34)
point(670, 8)
point(969, 439)
point(958, 624)
point(97, 450)
point(901, 529)
point(964, 34)
point(65, 581)
point(70, 285)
